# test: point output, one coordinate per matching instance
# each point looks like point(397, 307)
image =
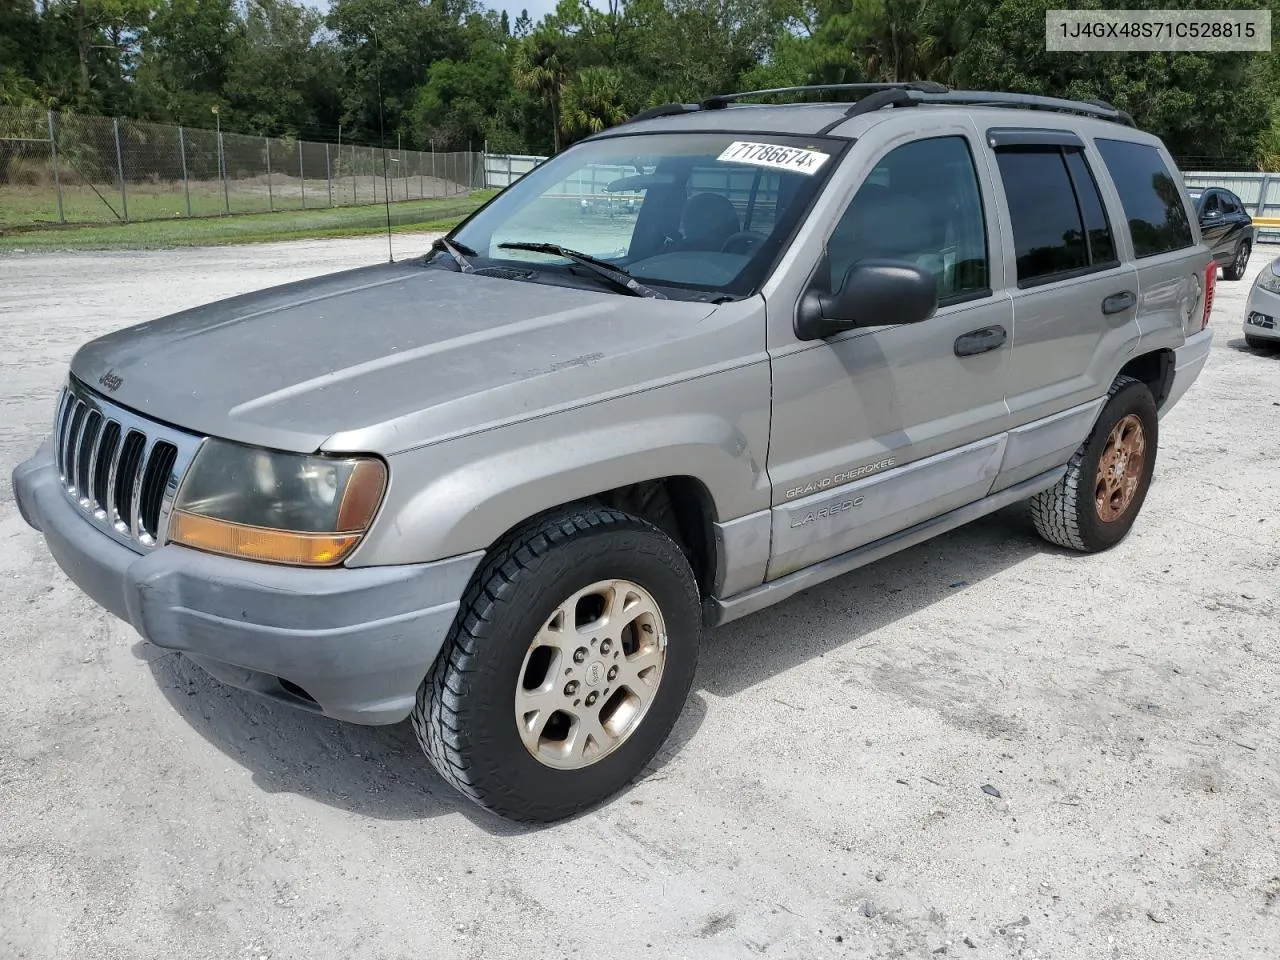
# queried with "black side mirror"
point(874, 293)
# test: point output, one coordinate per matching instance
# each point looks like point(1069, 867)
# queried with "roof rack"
point(908, 94)
point(721, 100)
point(1099, 109)
point(664, 110)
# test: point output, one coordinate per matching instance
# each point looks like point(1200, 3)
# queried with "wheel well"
point(1155, 370)
point(682, 508)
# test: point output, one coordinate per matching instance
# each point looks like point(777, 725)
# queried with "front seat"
point(708, 220)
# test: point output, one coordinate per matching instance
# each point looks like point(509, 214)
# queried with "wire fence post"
point(182, 151)
point(354, 192)
point(271, 197)
point(222, 169)
point(53, 155)
point(433, 169)
point(302, 176)
point(328, 174)
point(124, 196)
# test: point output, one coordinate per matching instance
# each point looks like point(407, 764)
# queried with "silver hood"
point(404, 353)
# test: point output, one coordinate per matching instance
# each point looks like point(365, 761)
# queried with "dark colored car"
point(1227, 229)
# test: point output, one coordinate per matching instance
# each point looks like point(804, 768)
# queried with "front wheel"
point(1096, 502)
point(567, 668)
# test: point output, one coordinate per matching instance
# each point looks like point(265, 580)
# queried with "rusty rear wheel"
point(1096, 502)
point(1120, 468)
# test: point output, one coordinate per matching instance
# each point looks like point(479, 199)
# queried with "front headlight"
point(1269, 279)
point(278, 507)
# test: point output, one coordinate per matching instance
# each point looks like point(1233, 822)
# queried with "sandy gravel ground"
point(821, 796)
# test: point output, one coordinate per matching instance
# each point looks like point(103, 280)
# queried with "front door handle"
point(1119, 302)
point(980, 341)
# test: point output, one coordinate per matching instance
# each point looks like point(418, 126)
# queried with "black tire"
point(1067, 513)
point(1261, 343)
point(464, 715)
point(1239, 264)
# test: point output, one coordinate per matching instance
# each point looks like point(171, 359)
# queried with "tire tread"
point(436, 712)
point(1056, 512)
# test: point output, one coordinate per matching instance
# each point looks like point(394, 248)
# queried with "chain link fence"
point(69, 168)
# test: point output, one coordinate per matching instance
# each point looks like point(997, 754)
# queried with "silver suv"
point(686, 369)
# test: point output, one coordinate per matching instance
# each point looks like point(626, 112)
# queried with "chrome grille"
point(120, 469)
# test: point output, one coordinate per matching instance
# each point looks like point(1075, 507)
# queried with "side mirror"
point(874, 293)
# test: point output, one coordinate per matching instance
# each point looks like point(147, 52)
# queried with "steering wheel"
point(744, 241)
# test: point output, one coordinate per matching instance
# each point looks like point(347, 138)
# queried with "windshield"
point(702, 213)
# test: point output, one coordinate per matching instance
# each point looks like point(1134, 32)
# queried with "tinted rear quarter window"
point(1151, 197)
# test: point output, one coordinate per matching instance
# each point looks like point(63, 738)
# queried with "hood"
point(426, 353)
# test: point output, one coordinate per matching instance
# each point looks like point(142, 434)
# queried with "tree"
point(21, 42)
point(387, 48)
point(101, 33)
point(1200, 104)
point(542, 68)
point(524, 25)
point(897, 40)
point(187, 53)
point(592, 102)
point(470, 100)
point(281, 80)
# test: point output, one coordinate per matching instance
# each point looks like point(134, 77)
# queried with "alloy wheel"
point(590, 674)
point(1120, 468)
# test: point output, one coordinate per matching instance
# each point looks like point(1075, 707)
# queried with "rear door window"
point(1102, 248)
point(1060, 226)
point(1151, 196)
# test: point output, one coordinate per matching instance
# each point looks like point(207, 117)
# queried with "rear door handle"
point(980, 341)
point(1119, 302)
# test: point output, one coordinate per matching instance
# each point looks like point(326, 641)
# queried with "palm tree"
point(541, 67)
point(593, 101)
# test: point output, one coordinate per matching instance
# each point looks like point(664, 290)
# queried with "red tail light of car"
point(1210, 284)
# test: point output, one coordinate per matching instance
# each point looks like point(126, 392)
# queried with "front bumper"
point(1262, 314)
point(351, 643)
point(1188, 360)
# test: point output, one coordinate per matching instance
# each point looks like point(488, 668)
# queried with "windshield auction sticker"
point(794, 159)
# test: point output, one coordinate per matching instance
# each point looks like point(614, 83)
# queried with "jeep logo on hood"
point(111, 380)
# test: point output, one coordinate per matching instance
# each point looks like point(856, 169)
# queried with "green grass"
point(406, 216)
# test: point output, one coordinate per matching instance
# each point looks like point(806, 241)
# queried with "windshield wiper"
point(614, 274)
point(456, 251)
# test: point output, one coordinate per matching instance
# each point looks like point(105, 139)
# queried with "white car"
point(1262, 315)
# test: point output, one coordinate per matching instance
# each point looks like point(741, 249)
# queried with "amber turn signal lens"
point(262, 543)
point(361, 496)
